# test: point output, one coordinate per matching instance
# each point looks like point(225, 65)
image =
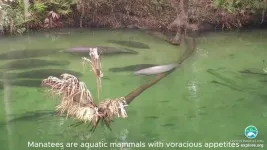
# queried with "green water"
point(210, 98)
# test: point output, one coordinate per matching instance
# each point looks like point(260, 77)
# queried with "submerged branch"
point(130, 97)
point(189, 51)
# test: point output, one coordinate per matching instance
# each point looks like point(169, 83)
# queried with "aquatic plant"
point(77, 101)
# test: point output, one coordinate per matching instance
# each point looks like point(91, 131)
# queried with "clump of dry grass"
point(77, 101)
point(95, 68)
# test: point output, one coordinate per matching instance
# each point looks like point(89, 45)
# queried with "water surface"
point(213, 97)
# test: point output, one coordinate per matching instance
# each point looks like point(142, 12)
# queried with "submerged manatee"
point(32, 63)
point(40, 74)
point(27, 83)
point(22, 54)
point(103, 50)
point(156, 69)
point(132, 44)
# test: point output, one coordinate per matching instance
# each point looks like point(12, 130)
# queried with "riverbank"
point(158, 15)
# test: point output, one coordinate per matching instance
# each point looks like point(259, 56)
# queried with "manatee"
point(131, 68)
point(156, 69)
point(23, 54)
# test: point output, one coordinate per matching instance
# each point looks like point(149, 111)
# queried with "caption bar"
point(32, 144)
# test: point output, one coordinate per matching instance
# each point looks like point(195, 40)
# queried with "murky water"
point(212, 97)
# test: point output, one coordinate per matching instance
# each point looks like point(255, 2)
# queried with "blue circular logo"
point(251, 132)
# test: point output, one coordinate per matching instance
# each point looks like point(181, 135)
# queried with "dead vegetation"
point(77, 101)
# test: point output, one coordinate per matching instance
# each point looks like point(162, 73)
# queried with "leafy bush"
point(239, 12)
point(12, 18)
point(241, 5)
point(40, 14)
point(48, 13)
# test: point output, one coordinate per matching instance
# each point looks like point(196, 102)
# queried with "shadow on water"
point(213, 72)
point(1, 85)
point(41, 74)
point(106, 78)
point(164, 101)
point(247, 71)
point(240, 89)
point(151, 117)
point(20, 54)
point(131, 68)
point(151, 136)
point(226, 85)
point(27, 83)
point(32, 63)
point(132, 44)
point(31, 115)
point(168, 125)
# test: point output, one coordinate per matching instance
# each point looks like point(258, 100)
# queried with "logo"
point(251, 132)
